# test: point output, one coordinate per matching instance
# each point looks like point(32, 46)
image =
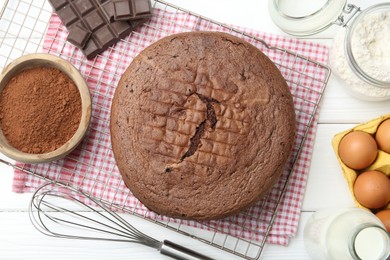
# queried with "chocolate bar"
point(92, 24)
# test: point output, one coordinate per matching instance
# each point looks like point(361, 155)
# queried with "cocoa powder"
point(40, 110)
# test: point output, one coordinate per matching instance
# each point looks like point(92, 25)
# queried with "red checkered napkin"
point(91, 167)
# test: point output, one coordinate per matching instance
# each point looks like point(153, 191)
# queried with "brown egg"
point(384, 216)
point(372, 189)
point(382, 136)
point(358, 150)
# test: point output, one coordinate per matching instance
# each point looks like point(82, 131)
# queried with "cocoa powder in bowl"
point(40, 110)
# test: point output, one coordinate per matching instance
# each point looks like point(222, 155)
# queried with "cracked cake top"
point(202, 124)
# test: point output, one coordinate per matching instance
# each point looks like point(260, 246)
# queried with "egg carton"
point(381, 163)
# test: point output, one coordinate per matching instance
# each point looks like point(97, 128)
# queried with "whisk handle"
point(180, 252)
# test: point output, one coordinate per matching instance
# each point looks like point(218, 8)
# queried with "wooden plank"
point(20, 240)
point(338, 106)
point(326, 186)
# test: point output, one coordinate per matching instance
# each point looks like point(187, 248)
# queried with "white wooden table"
point(326, 186)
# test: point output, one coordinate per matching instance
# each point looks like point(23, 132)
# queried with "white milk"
point(351, 233)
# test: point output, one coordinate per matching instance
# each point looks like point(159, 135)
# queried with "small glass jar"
point(348, 234)
point(347, 58)
point(305, 17)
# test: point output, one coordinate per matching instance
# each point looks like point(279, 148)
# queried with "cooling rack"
point(23, 25)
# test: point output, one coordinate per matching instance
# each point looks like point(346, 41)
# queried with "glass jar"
point(353, 58)
point(350, 233)
point(305, 17)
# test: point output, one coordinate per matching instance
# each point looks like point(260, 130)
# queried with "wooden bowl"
point(47, 60)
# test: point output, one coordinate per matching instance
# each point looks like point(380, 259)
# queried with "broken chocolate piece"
point(91, 23)
point(132, 9)
point(122, 10)
point(78, 36)
point(108, 9)
point(68, 15)
point(142, 8)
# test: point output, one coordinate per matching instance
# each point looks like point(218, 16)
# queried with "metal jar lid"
point(309, 17)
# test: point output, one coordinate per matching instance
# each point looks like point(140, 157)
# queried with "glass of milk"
point(350, 233)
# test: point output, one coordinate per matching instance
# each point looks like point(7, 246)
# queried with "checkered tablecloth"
point(91, 167)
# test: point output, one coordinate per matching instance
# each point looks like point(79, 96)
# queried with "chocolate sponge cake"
point(202, 124)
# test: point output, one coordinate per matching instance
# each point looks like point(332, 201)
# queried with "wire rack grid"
point(23, 26)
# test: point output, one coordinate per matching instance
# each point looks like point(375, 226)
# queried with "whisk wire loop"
point(43, 210)
point(54, 207)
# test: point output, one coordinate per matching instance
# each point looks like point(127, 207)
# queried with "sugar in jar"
point(360, 56)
